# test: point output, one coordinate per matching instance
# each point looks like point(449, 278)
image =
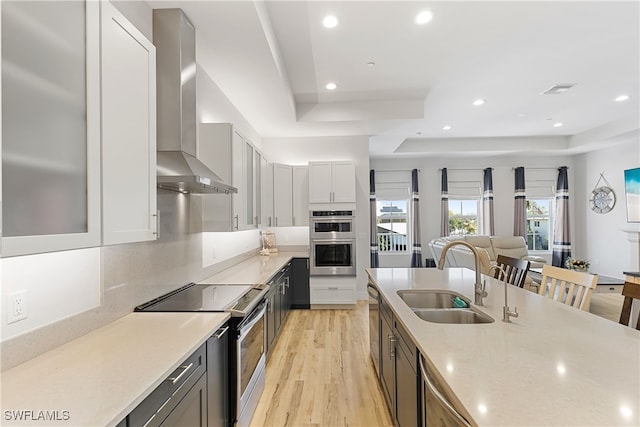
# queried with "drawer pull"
point(184, 370)
point(332, 289)
point(221, 332)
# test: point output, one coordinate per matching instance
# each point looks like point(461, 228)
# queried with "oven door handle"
point(251, 320)
point(323, 241)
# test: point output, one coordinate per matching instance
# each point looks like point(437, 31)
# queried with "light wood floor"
point(320, 373)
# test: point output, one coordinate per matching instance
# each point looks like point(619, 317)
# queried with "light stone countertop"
point(257, 269)
point(100, 377)
point(554, 365)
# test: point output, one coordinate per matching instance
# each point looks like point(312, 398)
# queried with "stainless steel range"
point(247, 359)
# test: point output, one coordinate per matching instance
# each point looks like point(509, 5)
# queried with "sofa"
point(489, 247)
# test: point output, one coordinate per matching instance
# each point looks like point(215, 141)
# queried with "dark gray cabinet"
point(387, 357)
point(398, 369)
point(175, 393)
point(218, 378)
point(299, 289)
point(194, 394)
point(271, 329)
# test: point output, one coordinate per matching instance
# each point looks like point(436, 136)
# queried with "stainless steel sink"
point(453, 315)
point(428, 298)
point(440, 306)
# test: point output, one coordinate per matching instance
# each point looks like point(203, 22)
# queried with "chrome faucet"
point(506, 313)
point(479, 288)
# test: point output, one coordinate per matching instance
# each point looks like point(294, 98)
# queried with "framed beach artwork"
point(632, 192)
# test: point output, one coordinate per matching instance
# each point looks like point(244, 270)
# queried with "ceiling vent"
point(558, 88)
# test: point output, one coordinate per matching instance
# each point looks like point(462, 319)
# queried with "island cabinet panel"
point(218, 378)
point(387, 358)
point(399, 373)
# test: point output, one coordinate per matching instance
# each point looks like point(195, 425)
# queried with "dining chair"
point(630, 291)
point(515, 270)
point(570, 287)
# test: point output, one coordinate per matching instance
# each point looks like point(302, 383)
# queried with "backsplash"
point(120, 276)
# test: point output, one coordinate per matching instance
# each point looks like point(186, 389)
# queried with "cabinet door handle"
point(392, 346)
point(237, 221)
point(220, 332)
point(184, 371)
point(157, 232)
point(286, 281)
point(276, 221)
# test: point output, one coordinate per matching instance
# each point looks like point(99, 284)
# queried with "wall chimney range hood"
point(178, 168)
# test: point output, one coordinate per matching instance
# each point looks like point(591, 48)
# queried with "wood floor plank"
point(320, 373)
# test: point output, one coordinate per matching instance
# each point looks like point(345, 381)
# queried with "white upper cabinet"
point(282, 195)
point(300, 195)
point(128, 78)
point(332, 185)
point(266, 193)
point(238, 163)
point(51, 128)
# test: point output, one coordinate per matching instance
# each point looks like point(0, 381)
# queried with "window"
point(463, 216)
point(392, 225)
point(539, 223)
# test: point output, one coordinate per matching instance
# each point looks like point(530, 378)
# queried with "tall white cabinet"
point(300, 195)
point(128, 80)
point(282, 195)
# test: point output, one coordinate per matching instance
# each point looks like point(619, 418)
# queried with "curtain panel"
point(561, 238)
point(444, 204)
point(520, 208)
point(373, 220)
point(416, 252)
point(488, 226)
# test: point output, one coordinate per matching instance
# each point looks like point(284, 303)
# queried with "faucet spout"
point(506, 313)
point(479, 289)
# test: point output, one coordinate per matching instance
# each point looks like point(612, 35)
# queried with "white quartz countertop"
point(554, 365)
point(257, 269)
point(97, 379)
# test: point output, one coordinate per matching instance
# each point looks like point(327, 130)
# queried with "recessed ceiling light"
point(558, 124)
point(423, 17)
point(558, 88)
point(446, 127)
point(479, 102)
point(418, 133)
point(371, 64)
point(331, 86)
point(330, 21)
point(523, 114)
point(622, 98)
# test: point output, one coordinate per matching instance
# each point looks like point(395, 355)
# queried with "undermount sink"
point(429, 298)
point(453, 315)
point(440, 306)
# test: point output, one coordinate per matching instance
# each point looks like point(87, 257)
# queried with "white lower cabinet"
point(332, 290)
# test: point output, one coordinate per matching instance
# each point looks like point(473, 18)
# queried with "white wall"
point(601, 237)
point(300, 151)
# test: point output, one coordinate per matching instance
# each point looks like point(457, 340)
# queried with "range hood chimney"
point(178, 168)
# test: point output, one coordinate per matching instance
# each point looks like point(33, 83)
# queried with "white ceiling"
point(272, 59)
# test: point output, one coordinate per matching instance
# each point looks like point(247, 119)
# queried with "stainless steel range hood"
point(178, 168)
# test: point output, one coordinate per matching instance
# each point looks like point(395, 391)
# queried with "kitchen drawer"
point(333, 295)
point(159, 404)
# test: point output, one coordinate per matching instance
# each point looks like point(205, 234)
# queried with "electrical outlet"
point(17, 310)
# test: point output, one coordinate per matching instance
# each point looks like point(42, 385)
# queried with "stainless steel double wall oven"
point(332, 238)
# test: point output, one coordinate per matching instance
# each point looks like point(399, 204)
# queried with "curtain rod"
point(542, 169)
point(463, 169)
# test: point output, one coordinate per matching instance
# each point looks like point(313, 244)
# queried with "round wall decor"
point(603, 198)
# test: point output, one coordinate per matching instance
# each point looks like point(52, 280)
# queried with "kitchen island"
point(554, 365)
